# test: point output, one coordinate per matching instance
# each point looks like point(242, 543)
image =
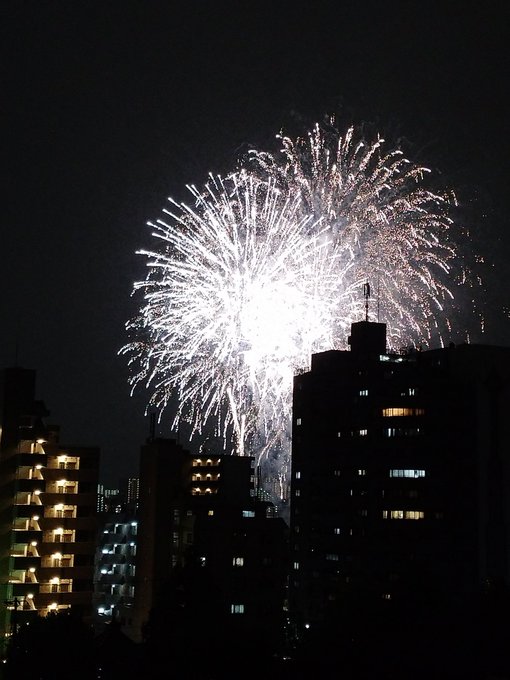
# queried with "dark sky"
point(108, 108)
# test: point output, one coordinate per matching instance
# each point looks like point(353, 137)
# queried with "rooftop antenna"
point(366, 295)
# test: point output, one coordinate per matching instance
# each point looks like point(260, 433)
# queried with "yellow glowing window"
point(404, 514)
point(414, 514)
point(402, 411)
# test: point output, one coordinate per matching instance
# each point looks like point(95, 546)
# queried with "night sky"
point(108, 108)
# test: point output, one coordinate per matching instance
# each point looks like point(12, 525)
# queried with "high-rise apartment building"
point(115, 566)
point(400, 474)
point(199, 517)
point(47, 510)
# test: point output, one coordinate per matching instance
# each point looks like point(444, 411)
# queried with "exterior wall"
point(115, 569)
point(48, 517)
point(198, 515)
point(398, 474)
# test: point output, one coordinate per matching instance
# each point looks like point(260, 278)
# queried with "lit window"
point(298, 475)
point(404, 514)
point(362, 472)
point(298, 492)
point(414, 474)
point(363, 393)
point(337, 473)
point(238, 561)
point(338, 434)
point(237, 608)
point(248, 513)
point(298, 421)
point(337, 531)
point(386, 596)
point(210, 513)
point(397, 412)
point(332, 557)
point(401, 431)
point(363, 433)
point(296, 566)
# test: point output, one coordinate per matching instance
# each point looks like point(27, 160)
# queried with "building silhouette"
point(115, 568)
point(210, 555)
point(400, 476)
point(47, 511)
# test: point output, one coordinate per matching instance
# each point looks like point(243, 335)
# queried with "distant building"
point(133, 492)
point(109, 500)
point(199, 516)
point(400, 474)
point(47, 510)
point(115, 567)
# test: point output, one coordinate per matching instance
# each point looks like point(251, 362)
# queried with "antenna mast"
point(366, 295)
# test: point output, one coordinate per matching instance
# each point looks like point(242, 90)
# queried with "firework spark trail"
point(266, 268)
point(381, 219)
point(221, 300)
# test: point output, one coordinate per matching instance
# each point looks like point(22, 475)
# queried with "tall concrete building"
point(47, 510)
point(203, 536)
point(400, 474)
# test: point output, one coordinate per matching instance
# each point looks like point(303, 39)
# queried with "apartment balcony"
point(88, 499)
point(29, 485)
point(27, 536)
point(52, 524)
point(26, 511)
point(47, 600)
point(23, 563)
point(30, 472)
point(55, 562)
point(63, 547)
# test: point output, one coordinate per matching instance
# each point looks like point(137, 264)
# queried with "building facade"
point(115, 569)
point(400, 474)
point(201, 523)
point(48, 517)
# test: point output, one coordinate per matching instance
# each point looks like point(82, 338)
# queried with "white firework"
point(387, 226)
point(266, 267)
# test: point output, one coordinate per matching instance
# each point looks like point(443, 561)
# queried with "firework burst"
point(266, 266)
